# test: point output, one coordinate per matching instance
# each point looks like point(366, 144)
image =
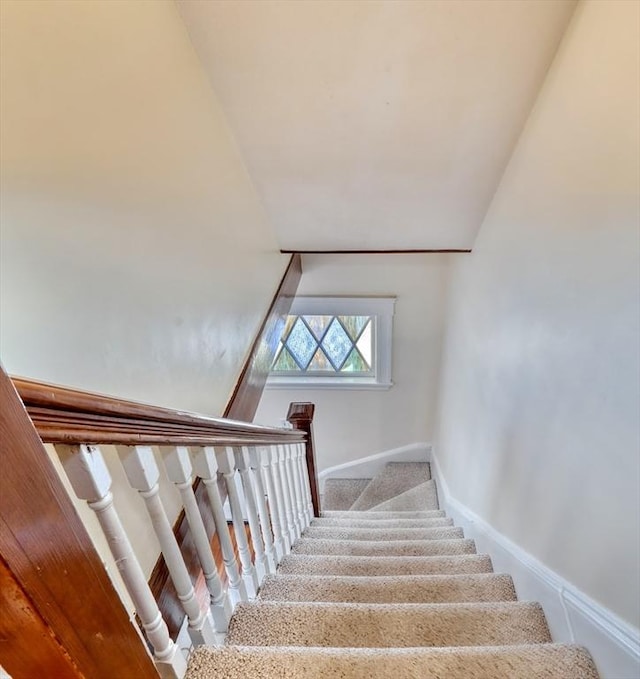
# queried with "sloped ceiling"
point(376, 124)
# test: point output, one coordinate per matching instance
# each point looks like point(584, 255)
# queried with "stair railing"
point(272, 466)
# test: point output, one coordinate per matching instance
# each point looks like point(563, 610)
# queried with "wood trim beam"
point(248, 390)
point(416, 251)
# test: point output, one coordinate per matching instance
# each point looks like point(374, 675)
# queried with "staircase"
point(383, 585)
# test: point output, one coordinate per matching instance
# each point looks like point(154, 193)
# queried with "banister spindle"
point(297, 454)
point(205, 465)
point(274, 474)
point(242, 464)
point(305, 477)
point(286, 494)
point(295, 485)
point(91, 481)
point(177, 462)
point(143, 474)
point(286, 461)
point(226, 465)
point(275, 511)
point(255, 471)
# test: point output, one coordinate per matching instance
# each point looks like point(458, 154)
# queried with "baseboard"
point(368, 467)
point(573, 616)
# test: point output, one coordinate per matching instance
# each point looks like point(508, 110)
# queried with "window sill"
point(337, 384)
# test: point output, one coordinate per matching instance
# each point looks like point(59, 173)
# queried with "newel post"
point(300, 416)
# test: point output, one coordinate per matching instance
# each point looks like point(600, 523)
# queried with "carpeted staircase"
point(388, 588)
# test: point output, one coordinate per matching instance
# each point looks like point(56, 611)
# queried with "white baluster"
point(242, 464)
point(143, 473)
point(295, 485)
point(286, 498)
point(274, 469)
point(297, 456)
point(305, 477)
point(265, 521)
point(285, 459)
point(205, 466)
point(177, 462)
point(280, 539)
point(91, 481)
point(226, 465)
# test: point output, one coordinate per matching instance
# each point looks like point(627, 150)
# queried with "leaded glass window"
point(325, 344)
point(335, 343)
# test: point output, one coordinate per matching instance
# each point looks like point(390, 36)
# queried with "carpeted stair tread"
point(377, 566)
point(342, 493)
point(381, 515)
point(424, 496)
point(540, 661)
point(266, 623)
point(389, 589)
point(383, 523)
point(394, 479)
point(381, 548)
point(386, 534)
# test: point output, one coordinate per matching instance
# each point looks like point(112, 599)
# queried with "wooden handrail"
point(65, 415)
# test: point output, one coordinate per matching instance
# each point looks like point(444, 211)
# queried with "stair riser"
point(384, 566)
point(399, 626)
point(389, 590)
point(382, 534)
point(399, 548)
point(543, 661)
point(383, 523)
point(374, 516)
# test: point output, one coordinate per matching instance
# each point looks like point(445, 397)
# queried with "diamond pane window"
point(335, 342)
point(301, 343)
point(324, 343)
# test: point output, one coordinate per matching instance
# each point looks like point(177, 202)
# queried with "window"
point(335, 342)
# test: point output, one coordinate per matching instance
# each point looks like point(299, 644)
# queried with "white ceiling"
point(376, 124)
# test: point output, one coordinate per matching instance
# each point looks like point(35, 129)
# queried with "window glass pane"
point(355, 363)
point(287, 326)
point(285, 361)
point(365, 345)
point(336, 343)
point(353, 324)
point(301, 343)
point(320, 362)
point(318, 324)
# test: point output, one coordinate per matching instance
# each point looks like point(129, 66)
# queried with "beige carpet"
point(389, 590)
point(342, 493)
point(395, 479)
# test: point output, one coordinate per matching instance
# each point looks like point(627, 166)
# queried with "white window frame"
point(381, 309)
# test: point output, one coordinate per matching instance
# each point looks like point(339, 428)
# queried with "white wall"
point(538, 427)
point(352, 424)
point(136, 259)
point(129, 222)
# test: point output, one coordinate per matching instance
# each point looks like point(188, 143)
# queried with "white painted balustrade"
point(91, 481)
point(265, 459)
point(293, 528)
point(143, 474)
point(226, 465)
point(306, 486)
point(277, 506)
point(206, 467)
point(251, 504)
point(266, 525)
point(177, 462)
